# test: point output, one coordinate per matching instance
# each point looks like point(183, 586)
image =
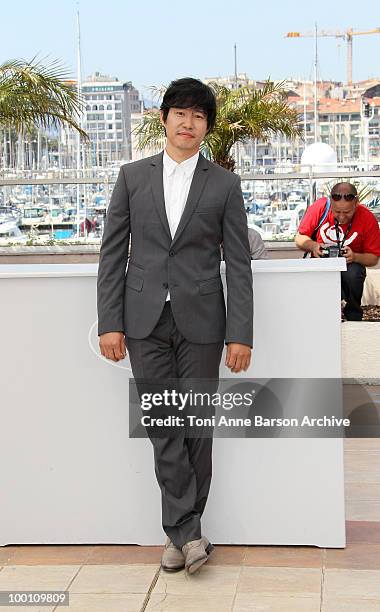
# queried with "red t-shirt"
point(363, 237)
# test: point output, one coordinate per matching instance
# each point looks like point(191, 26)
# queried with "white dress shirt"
point(177, 180)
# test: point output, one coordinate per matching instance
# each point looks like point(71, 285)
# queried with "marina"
point(49, 212)
point(71, 209)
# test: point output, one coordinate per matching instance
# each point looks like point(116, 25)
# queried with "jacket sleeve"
point(239, 325)
point(113, 259)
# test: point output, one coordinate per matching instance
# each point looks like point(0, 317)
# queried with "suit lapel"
point(196, 188)
point(158, 190)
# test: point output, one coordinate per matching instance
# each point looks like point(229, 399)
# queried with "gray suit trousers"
point(183, 465)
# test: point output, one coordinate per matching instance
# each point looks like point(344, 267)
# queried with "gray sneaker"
point(208, 546)
point(195, 555)
point(172, 559)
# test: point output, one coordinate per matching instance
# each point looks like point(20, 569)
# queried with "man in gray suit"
point(168, 308)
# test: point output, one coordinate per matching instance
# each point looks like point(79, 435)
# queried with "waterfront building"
point(348, 119)
point(109, 104)
point(108, 107)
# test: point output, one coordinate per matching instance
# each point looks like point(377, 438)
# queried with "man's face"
point(185, 128)
point(342, 210)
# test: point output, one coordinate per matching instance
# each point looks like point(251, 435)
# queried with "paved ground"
point(235, 579)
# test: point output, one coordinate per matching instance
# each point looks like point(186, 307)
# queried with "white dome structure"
point(319, 157)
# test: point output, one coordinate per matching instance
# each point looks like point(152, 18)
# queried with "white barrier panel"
point(71, 475)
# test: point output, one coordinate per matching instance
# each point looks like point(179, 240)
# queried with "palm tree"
point(33, 95)
point(241, 114)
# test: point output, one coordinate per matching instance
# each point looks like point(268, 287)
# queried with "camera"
point(333, 251)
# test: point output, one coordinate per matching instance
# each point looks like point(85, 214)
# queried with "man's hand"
point(305, 243)
point(316, 249)
point(348, 254)
point(112, 345)
point(238, 357)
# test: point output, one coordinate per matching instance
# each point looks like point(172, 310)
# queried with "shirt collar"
point(188, 166)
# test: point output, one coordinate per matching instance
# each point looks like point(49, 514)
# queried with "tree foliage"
point(244, 113)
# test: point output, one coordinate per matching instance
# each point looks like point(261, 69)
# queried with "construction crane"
point(346, 34)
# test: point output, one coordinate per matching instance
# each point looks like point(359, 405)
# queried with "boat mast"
point(315, 83)
point(79, 90)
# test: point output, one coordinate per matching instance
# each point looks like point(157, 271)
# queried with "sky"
point(152, 42)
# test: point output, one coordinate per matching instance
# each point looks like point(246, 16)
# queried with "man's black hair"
point(190, 93)
point(353, 188)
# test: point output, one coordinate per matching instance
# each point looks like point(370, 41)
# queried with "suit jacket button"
point(165, 285)
point(171, 253)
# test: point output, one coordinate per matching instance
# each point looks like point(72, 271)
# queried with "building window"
point(94, 117)
point(94, 107)
point(110, 126)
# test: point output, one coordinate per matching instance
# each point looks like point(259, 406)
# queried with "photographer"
point(340, 226)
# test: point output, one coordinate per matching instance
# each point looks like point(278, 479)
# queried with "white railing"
point(310, 183)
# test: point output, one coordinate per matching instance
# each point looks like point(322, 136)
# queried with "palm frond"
point(33, 94)
point(241, 114)
point(149, 131)
point(250, 113)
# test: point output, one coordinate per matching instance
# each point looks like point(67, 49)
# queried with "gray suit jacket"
point(188, 265)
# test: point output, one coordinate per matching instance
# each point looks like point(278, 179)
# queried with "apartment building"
point(347, 119)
